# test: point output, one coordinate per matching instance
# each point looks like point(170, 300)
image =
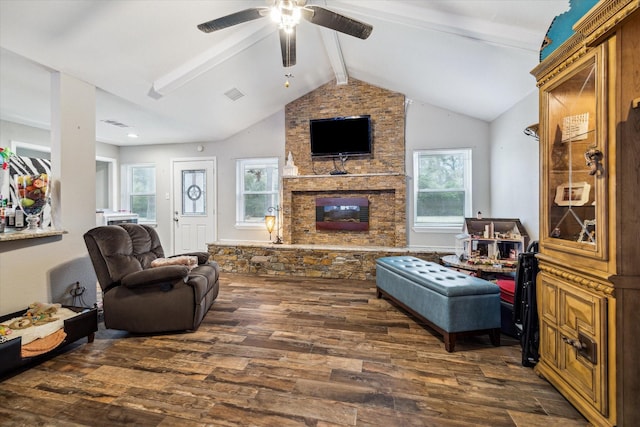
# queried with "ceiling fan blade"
point(288, 47)
point(233, 19)
point(335, 21)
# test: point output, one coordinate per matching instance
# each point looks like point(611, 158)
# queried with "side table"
point(492, 272)
point(85, 324)
point(484, 271)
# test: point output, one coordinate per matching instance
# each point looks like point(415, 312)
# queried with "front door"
point(194, 203)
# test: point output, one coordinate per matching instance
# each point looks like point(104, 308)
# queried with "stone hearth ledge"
point(302, 260)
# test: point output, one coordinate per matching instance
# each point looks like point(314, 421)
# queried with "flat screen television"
point(341, 136)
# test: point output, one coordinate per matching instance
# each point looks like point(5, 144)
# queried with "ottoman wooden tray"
point(84, 324)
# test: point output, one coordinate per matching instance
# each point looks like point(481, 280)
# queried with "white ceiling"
point(165, 79)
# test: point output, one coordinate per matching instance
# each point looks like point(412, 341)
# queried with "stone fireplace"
point(380, 178)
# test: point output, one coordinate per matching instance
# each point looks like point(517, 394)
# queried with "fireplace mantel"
point(348, 175)
point(377, 181)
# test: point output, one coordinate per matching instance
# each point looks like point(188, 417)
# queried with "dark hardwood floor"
point(286, 352)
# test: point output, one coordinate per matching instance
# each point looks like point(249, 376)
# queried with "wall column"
point(73, 167)
point(73, 153)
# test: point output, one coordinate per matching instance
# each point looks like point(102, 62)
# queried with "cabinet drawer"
point(573, 337)
point(582, 323)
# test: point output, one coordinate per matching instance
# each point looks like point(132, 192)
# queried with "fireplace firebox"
point(342, 213)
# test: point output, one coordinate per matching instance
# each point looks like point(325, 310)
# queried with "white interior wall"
point(264, 139)
point(429, 127)
point(515, 166)
point(44, 269)
point(11, 131)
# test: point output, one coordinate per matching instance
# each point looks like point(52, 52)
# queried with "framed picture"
point(588, 233)
point(576, 194)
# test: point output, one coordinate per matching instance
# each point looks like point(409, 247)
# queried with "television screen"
point(347, 136)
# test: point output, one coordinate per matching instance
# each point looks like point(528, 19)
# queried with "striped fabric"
point(19, 165)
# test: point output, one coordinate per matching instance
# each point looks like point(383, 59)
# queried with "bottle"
point(10, 216)
point(19, 218)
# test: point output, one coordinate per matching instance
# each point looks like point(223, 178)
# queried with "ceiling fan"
point(287, 14)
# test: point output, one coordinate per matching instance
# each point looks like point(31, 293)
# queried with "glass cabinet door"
point(574, 159)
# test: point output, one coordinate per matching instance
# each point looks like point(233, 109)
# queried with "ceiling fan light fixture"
point(286, 14)
point(275, 14)
point(295, 16)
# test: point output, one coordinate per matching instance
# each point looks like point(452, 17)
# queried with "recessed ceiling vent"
point(234, 94)
point(115, 123)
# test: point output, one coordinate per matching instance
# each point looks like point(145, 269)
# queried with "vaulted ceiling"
point(159, 76)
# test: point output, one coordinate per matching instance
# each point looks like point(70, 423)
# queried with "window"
point(442, 188)
point(140, 193)
point(257, 189)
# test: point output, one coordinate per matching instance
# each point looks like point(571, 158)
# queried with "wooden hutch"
point(588, 288)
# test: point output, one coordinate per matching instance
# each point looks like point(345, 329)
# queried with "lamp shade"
point(270, 222)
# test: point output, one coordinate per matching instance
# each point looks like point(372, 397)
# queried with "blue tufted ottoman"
point(450, 302)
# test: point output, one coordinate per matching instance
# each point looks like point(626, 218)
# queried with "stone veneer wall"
point(381, 177)
point(267, 259)
point(387, 209)
point(387, 113)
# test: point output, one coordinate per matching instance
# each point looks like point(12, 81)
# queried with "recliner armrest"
point(156, 276)
point(203, 257)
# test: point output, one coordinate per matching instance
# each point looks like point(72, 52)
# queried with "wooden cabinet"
point(573, 336)
point(589, 282)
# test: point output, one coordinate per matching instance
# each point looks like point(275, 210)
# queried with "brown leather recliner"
point(143, 299)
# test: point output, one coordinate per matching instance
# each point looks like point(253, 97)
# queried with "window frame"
point(443, 226)
point(127, 172)
point(241, 164)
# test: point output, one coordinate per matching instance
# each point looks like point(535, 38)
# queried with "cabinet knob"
point(584, 345)
point(574, 343)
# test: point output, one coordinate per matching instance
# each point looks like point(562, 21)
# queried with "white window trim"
point(126, 193)
point(112, 165)
point(240, 163)
point(468, 182)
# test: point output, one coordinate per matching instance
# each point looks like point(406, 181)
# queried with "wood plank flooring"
point(286, 352)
